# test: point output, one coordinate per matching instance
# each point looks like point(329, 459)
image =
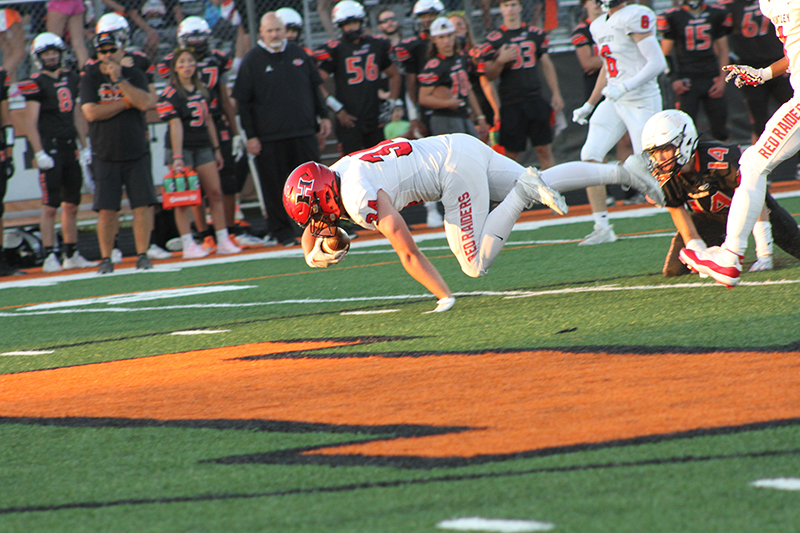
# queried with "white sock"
point(498, 227)
point(431, 206)
point(579, 175)
point(762, 233)
point(222, 235)
point(601, 219)
point(748, 201)
point(187, 240)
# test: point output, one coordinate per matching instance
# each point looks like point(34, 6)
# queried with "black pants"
point(356, 138)
point(711, 228)
point(275, 162)
point(716, 109)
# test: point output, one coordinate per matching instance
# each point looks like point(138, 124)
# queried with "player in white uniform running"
point(626, 41)
point(779, 141)
point(372, 186)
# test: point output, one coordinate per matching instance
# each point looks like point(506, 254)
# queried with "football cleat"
point(52, 264)
point(639, 177)
point(210, 245)
point(143, 263)
point(718, 262)
point(227, 247)
point(762, 263)
point(78, 261)
point(175, 244)
point(245, 240)
point(106, 266)
point(195, 251)
point(532, 189)
point(157, 252)
point(116, 256)
point(445, 304)
point(600, 235)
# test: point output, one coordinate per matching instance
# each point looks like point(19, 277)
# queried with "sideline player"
point(52, 126)
point(633, 60)
point(780, 141)
point(697, 33)
point(372, 186)
point(703, 177)
point(356, 62)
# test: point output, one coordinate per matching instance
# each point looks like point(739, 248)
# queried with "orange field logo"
point(422, 410)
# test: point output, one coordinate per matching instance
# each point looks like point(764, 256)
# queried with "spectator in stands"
point(67, 16)
point(697, 34)
point(516, 53)
point(356, 62)
point(753, 42)
point(52, 127)
point(12, 45)
point(114, 98)
point(448, 68)
point(6, 167)
point(277, 91)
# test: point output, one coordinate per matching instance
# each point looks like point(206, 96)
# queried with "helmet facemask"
point(665, 169)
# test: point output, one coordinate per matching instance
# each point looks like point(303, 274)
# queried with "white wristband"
point(334, 104)
point(765, 73)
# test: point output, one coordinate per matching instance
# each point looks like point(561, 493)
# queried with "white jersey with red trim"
point(785, 16)
point(410, 172)
point(623, 60)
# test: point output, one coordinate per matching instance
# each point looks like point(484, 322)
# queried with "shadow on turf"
point(395, 483)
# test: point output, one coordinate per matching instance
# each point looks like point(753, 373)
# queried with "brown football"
point(336, 243)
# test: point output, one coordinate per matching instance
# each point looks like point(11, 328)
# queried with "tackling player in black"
point(356, 63)
point(698, 181)
point(754, 43)
point(52, 127)
point(698, 35)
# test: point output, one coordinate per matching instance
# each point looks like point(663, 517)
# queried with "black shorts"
point(63, 182)
point(110, 176)
point(519, 122)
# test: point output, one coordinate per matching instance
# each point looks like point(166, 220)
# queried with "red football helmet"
point(311, 196)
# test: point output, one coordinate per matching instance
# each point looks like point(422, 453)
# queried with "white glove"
point(581, 115)
point(316, 258)
point(696, 245)
point(85, 156)
point(743, 75)
point(614, 92)
point(239, 147)
point(44, 161)
point(442, 305)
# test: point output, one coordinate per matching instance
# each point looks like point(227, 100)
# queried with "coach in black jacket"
point(277, 91)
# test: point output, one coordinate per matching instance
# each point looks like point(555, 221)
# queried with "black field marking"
point(666, 461)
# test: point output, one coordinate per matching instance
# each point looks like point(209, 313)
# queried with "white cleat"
point(532, 189)
point(116, 256)
point(157, 252)
point(228, 247)
point(718, 262)
point(78, 261)
point(600, 235)
point(245, 240)
point(762, 264)
point(195, 251)
point(51, 263)
point(445, 304)
point(639, 177)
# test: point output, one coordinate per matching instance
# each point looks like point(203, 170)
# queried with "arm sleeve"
point(656, 64)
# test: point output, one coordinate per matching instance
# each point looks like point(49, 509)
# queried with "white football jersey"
point(785, 16)
point(611, 34)
point(409, 172)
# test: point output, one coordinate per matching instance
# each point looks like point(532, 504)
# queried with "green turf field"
point(573, 389)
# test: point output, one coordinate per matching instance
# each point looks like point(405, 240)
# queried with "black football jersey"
point(356, 70)
point(210, 69)
point(752, 40)
point(520, 80)
point(192, 109)
point(694, 37)
point(710, 184)
point(450, 72)
point(581, 36)
point(57, 98)
point(412, 53)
